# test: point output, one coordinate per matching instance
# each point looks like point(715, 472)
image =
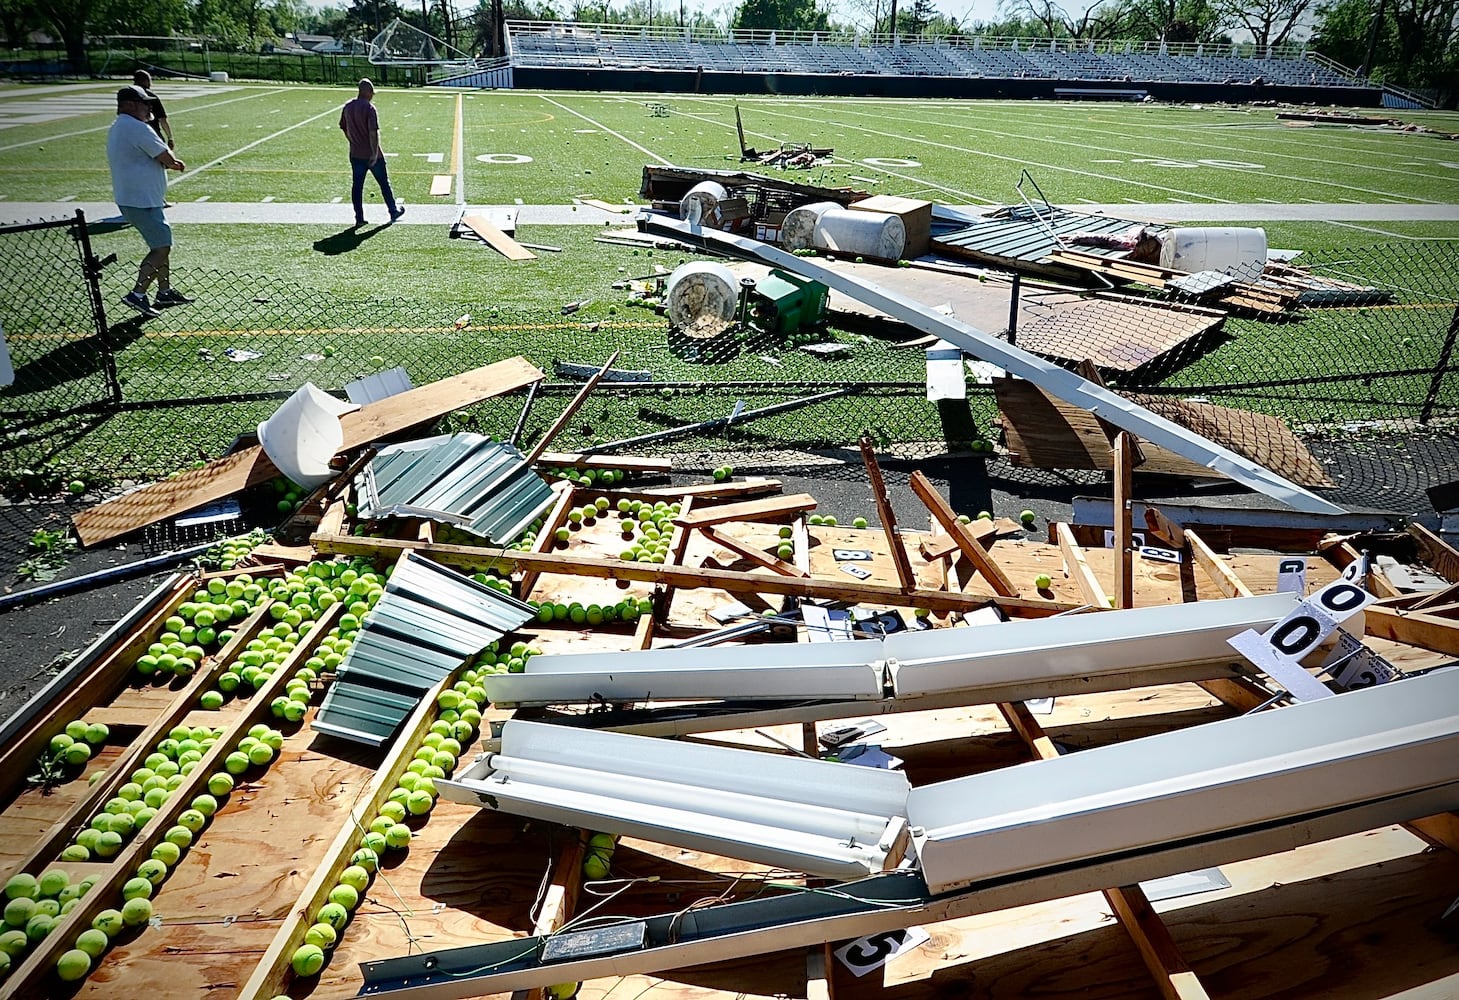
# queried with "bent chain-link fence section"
point(1363, 374)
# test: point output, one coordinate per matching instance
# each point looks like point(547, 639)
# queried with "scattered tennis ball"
point(211, 700)
point(92, 941)
point(136, 912)
point(377, 361)
point(321, 936)
point(236, 762)
point(595, 866)
point(137, 888)
point(76, 754)
point(859, 522)
point(179, 835)
point(108, 843)
point(419, 803)
point(75, 852)
point(260, 754)
point(309, 958)
point(1027, 517)
point(167, 852)
point(193, 820)
point(373, 842)
point(38, 926)
point(564, 991)
point(205, 804)
point(152, 870)
point(345, 895)
point(1043, 581)
point(334, 915)
point(355, 877)
point(13, 943)
point(398, 837)
point(19, 910)
point(220, 784)
point(73, 965)
point(366, 859)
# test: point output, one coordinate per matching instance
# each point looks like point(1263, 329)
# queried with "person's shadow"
point(346, 239)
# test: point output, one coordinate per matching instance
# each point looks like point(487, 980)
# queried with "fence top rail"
point(580, 31)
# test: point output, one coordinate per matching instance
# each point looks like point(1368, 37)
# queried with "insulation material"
point(870, 234)
point(799, 229)
point(702, 297)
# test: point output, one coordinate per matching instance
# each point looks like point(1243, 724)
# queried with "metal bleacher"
point(549, 44)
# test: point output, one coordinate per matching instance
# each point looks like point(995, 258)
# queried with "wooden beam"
point(231, 474)
point(1415, 628)
point(1124, 594)
point(498, 240)
point(628, 463)
point(1343, 554)
point(547, 537)
point(887, 516)
point(970, 546)
point(775, 565)
point(572, 408)
point(1437, 553)
point(933, 549)
point(1078, 566)
point(472, 557)
point(754, 486)
point(1221, 575)
point(1164, 530)
point(775, 510)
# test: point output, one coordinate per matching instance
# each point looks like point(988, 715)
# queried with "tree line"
point(1411, 43)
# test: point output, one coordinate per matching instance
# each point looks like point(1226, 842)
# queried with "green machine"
point(785, 304)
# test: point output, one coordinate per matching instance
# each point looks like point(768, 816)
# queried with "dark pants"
point(357, 188)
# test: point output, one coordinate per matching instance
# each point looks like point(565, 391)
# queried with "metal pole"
point(1445, 354)
point(1013, 309)
point(716, 424)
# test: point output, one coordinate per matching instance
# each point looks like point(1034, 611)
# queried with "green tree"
point(781, 15)
point(1271, 22)
point(1101, 19)
point(1176, 20)
point(1417, 41)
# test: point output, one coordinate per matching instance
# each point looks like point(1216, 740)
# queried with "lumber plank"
point(688, 578)
point(970, 546)
point(572, 407)
point(943, 546)
point(231, 474)
point(887, 515)
point(441, 185)
point(1078, 566)
point(499, 241)
point(1414, 628)
point(753, 554)
point(777, 510)
point(1437, 553)
point(628, 463)
point(1221, 574)
point(755, 486)
point(547, 537)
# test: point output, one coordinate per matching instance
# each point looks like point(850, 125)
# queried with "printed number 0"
point(1295, 635)
point(1343, 597)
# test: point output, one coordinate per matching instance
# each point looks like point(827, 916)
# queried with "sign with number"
point(1137, 539)
point(1353, 665)
point(1157, 554)
point(1292, 577)
point(875, 950)
point(1279, 650)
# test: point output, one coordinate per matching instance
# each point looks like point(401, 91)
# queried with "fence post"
point(91, 268)
point(1445, 353)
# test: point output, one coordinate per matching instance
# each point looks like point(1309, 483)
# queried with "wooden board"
point(1047, 433)
point(500, 241)
point(774, 509)
point(441, 185)
point(226, 476)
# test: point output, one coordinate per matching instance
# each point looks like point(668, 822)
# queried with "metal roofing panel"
point(1022, 236)
point(484, 486)
point(429, 620)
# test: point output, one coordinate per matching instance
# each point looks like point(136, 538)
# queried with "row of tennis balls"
point(76, 743)
point(137, 801)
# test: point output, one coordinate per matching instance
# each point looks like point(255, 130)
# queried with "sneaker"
point(399, 211)
point(172, 297)
point(359, 222)
point(138, 301)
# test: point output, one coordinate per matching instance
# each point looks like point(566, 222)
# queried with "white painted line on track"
point(243, 149)
point(618, 135)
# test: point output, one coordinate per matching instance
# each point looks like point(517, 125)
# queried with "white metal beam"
point(825, 819)
point(1062, 383)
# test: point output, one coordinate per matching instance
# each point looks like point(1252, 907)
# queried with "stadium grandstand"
point(573, 55)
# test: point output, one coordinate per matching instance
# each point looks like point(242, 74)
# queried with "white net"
point(402, 44)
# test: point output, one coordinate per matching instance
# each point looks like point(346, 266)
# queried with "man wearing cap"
point(159, 122)
point(360, 123)
point(139, 160)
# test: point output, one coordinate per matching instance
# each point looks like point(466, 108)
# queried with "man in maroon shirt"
point(361, 126)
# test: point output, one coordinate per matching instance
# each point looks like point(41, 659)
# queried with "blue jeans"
point(357, 188)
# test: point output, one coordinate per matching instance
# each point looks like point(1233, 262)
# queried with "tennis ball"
point(179, 835)
point(92, 941)
point(22, 886)
point(13, 943)
point(1027, 517)
point(373, 842)
point(1043, 581)
point(595, 866)
point(211, 700)
point(859, 522)
point(152, 870)
point(395, 810)
point(260, 754)
point(52, 882)
point(108, 843)
point(220, 784)
point(564, 991)
point(156, 795)
point(334, 915)
point(355, 877)
point(309, 958)
point(76, 852)
point(398, 836)
point(419, 803)
point(49, 907)
point(366, 859)
point(378, 362)
point(19, 910)
point(382, 823)
point(205, 804)
point(236, 762)
point(345, 895)
point(73, 966)
point(136, 911)
point(321, 936)
point(137, 888)
point(193, 820)
point(76, 754)
point(602, 843)
point(38, 926)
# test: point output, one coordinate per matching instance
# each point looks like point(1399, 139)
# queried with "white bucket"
point(702, 292)
point(702, 201)
point(218, 76)
point(303, 435)
point(1238, 252)
point(798, 230)
point(873, 234)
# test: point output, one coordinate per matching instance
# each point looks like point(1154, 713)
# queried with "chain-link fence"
point(1363, 365)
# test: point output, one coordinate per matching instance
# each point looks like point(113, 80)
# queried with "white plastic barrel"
point(874, 234)
point(702, 296)
point(217, 76)
point(798, 230)
point(1238, 252)
point(702, 201)
point(303, 435)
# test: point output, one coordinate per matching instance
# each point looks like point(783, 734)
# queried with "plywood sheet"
point(226, 476)
point(1047, 433)
point(500, 241)
point(441, 185)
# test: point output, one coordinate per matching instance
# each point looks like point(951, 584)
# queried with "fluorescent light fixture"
point(1238, 774)
point(824, 819)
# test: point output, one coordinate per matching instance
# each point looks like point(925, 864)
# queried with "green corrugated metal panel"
point(428, 622)
point(1022, 236)
point(484, 486)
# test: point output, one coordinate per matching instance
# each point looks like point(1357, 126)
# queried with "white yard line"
point(243, 149)
point(617, 135)
point(460, 150)
point(103, 128)
point(1157, 153)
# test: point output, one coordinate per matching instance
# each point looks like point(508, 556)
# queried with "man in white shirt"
point(139, 160)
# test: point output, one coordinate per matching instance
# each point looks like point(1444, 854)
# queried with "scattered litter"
point(572, 307)
point(827, 350)
point(311, 357)
point(240, 355)
point(279, 376)
point(462, 320)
